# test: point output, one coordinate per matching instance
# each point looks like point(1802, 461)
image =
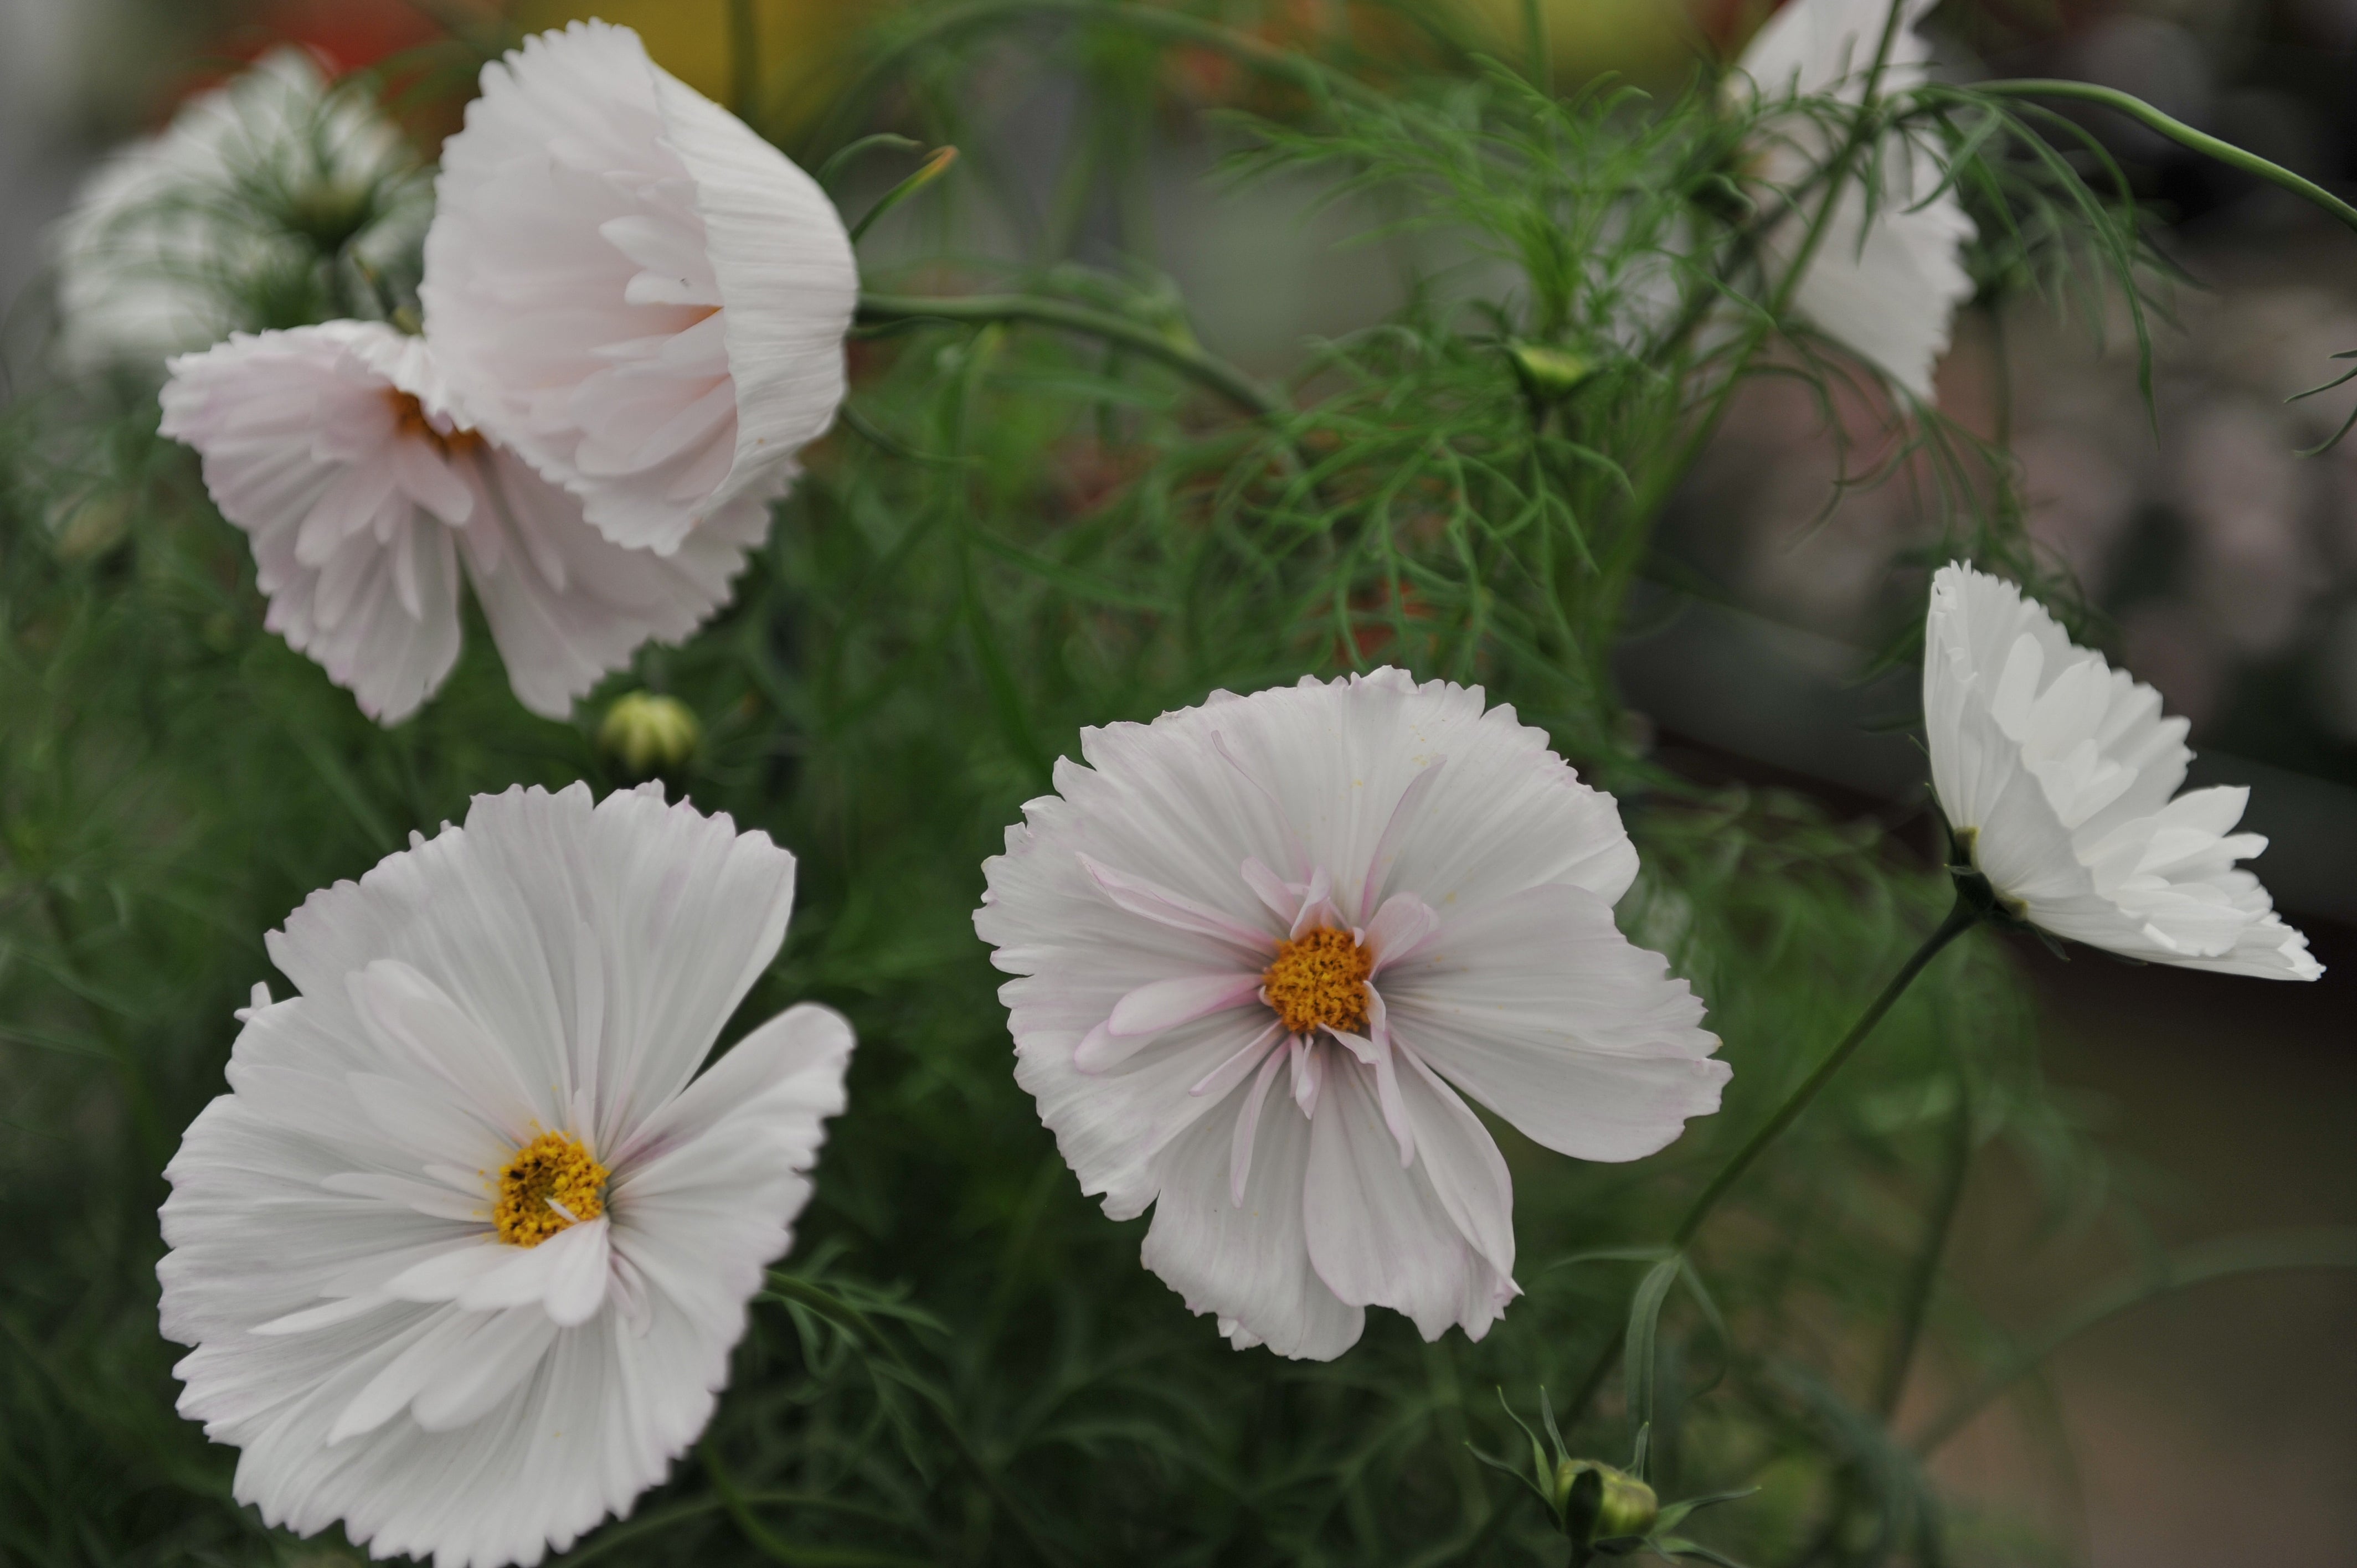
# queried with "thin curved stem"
point(2177, 130)
point(1962, 917)
point(982, 309)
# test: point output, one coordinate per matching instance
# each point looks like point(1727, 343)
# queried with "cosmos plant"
point(1345, 944)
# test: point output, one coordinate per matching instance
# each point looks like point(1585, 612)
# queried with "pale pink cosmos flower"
point(337, 449)
point(644, 297)
point(463, 1251)
point(1269, 945)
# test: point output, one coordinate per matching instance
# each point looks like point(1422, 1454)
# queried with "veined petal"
point(1246, 1263)
point(642, 297)
point(2058, 773)
point(1263, 828)
point(1378, 1233)
point(376, 1330)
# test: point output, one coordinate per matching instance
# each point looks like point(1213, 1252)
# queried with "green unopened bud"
point(1548, 373)
point(650, 733)
point(1600, 1503)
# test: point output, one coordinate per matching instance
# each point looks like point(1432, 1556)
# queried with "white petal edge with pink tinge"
point(337, 450)
point(639, 294)
point(1269, 948)
point(463, 1253)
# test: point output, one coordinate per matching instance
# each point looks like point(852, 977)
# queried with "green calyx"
point(648, 734)
point(1549, 375)
point(1600, 1503)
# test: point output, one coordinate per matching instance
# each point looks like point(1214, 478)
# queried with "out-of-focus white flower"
point(337, 448)
point(235, 216)
point(1885, 277)
point(464, 1251)
point(1378, 894)
point(645, 298)
point(2058, 777)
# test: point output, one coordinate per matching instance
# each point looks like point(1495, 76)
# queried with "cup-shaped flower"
point(337, 448)
point(464, 1250)
point(1267, 944)
point(641, 295)
point(1886, 274)
point(243, 212)
point(2059, 780)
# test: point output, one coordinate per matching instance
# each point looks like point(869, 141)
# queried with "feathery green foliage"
point(1023, 527)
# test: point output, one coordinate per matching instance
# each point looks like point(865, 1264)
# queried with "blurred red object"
point(348, 35)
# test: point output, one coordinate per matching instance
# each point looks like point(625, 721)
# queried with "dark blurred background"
point(2217, 563)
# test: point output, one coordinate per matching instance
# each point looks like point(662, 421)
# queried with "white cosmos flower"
point(2060, 778)
point(1265, 945)
point(1887, 275)
point(337, 449)
point(643, 297)
point(464, 1251)
point(181, 238)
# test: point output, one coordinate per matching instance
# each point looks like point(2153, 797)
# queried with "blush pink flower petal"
point(366, 1330)
point(1267, 951)
point(338, 451)
point(645, 298)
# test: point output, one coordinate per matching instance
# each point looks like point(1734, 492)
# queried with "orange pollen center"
point(552, 1184)
point(409, 418)
point(1320, 978)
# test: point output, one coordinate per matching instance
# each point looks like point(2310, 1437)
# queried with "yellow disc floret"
point(1319, 978)
point(552, 1183)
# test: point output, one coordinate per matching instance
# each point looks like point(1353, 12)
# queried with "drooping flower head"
point(645, 298)
point(337, 449)
point(464, 1250)
point(247, 211)
point(1887, 274)
point(2059, 779)
point(1267, 945)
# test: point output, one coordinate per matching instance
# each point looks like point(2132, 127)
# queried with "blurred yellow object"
point(649, 732)
point(797, 42)
point(1643, 39)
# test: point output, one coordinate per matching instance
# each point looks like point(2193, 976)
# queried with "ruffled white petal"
point(1540, 1009)
point(303, 444)
point(2063, 774)
point(646, 299)
point(1247, 1263)
point(361, 1333)
point(1139, 906)
point(1885, 277)
point(1380, 1234)
point(337, 449)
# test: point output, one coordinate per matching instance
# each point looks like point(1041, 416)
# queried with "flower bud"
point(1613, 1505)
point(1548, 373)
point(650, 733)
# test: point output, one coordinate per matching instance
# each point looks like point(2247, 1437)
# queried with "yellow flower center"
point(1320, 979)
point(409, 418)
point(552, 1183)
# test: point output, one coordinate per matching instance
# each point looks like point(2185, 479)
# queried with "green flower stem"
point(1966, 913)
point(1962, 917)
point(2177, 130)
point(745, 61)
point(1181, 354)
